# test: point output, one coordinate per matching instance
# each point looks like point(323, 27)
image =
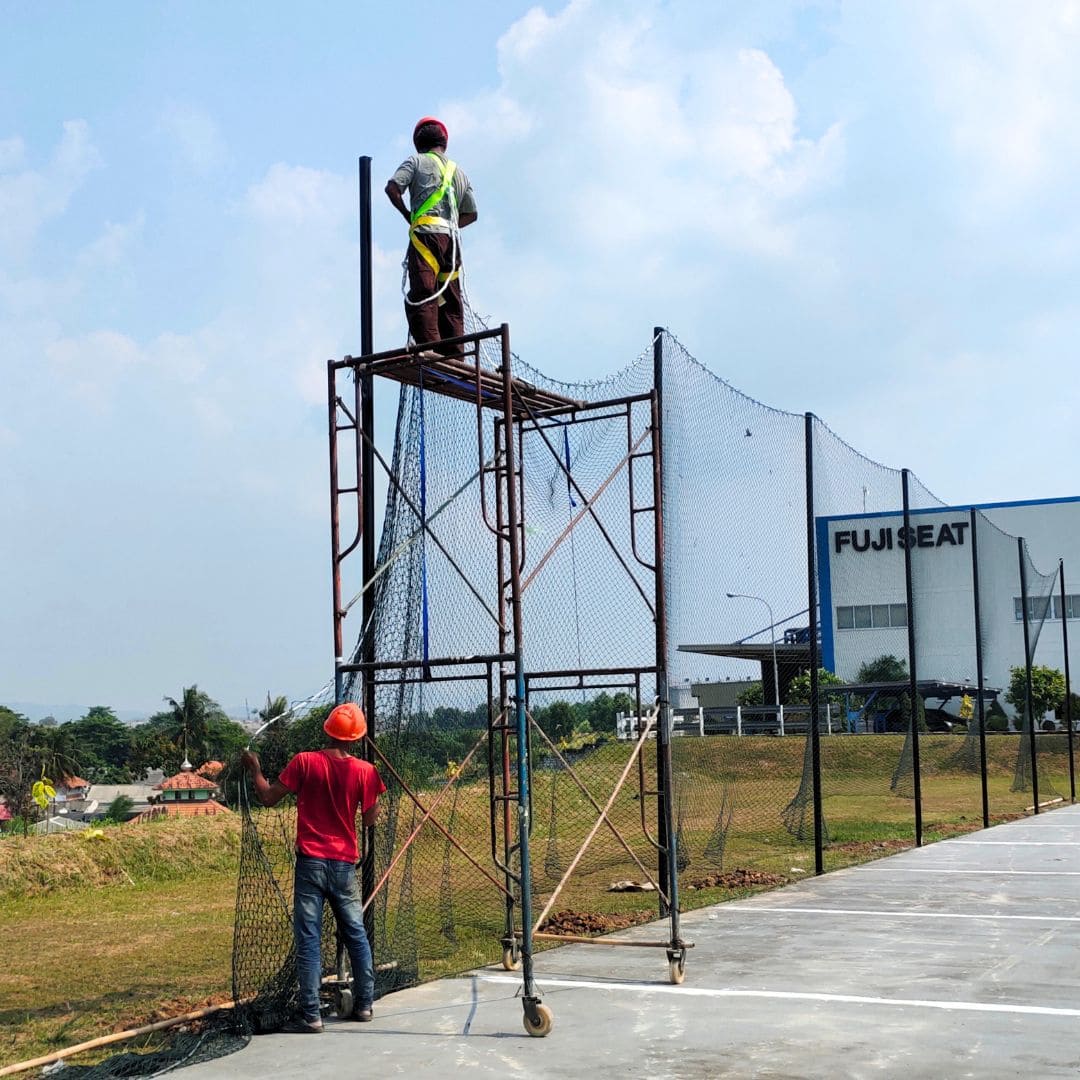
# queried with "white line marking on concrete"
point(945, 870)
point(1015, 843)
point(791, 995)
point(884, 914)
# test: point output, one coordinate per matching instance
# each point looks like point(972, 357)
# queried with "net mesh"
point(736, 567)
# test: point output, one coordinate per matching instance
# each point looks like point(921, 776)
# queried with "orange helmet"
point(347, 723)
point(431, 120)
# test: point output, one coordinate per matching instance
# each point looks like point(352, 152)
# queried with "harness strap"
point(447, 168)
point(421, 216)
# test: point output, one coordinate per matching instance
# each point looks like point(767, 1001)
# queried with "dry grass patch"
point(83, 963)
point(128, 855)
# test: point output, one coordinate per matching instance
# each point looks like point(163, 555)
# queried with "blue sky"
point(865, 210)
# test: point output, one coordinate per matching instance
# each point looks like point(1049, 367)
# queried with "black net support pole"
point(812, 613)
point(1029, 704)
point(913, 675)
point(335, 530)
point(979, 674)
point(1068, 683)
point(665, 832)
point(365, 479)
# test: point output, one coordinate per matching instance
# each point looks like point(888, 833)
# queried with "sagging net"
point(742, 805)
point(735, 504)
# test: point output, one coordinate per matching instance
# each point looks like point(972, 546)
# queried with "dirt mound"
point(586, 923)
point(738, 879)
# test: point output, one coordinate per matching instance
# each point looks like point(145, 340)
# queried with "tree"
point(754, 694)
point(119, 809)
point(306, 733)
point(885, 668)
point(1047, 690)
point(18, 765)
point(55, 751)
point(28, 753)
point(104, 745)
point(557, 721)
point(799, 688)
point(196, 726)
point(274, 741)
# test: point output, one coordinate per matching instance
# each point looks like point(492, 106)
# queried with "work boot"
point(301, 1026)
point(362, 1014)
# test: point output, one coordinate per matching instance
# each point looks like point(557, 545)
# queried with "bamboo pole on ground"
point(115, 1037)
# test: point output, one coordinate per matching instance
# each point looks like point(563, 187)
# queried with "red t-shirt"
point(328, 791)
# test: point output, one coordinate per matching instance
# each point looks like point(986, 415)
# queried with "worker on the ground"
point(442, 202)
point(329, 785)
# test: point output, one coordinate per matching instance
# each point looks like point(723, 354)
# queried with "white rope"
point(454, 230)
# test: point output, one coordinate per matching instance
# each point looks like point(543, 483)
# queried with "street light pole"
point(772, 635)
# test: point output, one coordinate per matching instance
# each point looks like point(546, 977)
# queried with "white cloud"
point(88, 365)
point(1005, 81)
point(113, 244)
point(30, 197)
point(194, 137)
point(291, 196)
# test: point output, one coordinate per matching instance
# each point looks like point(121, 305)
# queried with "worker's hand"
point(250, 760)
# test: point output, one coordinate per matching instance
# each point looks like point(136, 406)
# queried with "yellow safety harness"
point(422, 216)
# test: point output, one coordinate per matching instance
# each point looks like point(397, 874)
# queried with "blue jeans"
point(317, 881)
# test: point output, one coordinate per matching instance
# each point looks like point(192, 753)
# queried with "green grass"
point(81, 963)
point(101, 934)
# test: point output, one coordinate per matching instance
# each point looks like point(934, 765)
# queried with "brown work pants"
point(441, 318)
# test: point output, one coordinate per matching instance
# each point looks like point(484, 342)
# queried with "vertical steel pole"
point(812, 609)
point(335, 529)
point(665, 787)
point(979, 674)
point(1068, 684)
point(1029, 704)
point(365, 417)
point(913, 677)
point(668, 861)
point(531, 997)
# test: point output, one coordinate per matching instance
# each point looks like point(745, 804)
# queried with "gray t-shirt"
point(421, 175)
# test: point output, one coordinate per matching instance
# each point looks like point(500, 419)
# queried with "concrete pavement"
point(956, 960)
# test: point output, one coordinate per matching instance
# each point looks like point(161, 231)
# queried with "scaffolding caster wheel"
point(344, 1003)
point(537, 1018)
point(677, 967)
point(511, 959)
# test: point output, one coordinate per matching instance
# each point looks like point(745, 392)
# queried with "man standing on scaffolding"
point(442, 203)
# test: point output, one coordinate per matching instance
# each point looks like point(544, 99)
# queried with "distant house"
point(101, 796)
point(187, 794)
point(58, 823)
point(72, 788)
point(5, 814)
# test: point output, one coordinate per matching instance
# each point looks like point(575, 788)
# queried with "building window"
point(1072, 607)
point(872, 616)
point(1039, 608)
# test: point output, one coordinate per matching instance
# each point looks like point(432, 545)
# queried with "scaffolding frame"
point(514, 407)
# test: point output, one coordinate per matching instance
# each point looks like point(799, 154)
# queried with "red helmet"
point(431, 120)
point(347, 723)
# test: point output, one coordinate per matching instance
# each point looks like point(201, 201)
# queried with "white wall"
point(942, 587)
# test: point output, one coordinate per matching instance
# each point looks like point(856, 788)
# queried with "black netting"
point(750, 758)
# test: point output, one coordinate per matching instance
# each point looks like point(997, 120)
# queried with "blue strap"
point(464, 384)
point(424, 623)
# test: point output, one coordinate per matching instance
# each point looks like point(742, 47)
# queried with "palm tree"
point(274, 741)
point(55, 751)
point(188, 725)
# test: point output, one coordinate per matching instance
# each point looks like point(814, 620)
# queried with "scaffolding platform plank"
point(460, 376)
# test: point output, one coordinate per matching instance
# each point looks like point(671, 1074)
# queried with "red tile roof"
point(69, 783)
point(186, 781)
point(5, 813)
point(211, 769)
